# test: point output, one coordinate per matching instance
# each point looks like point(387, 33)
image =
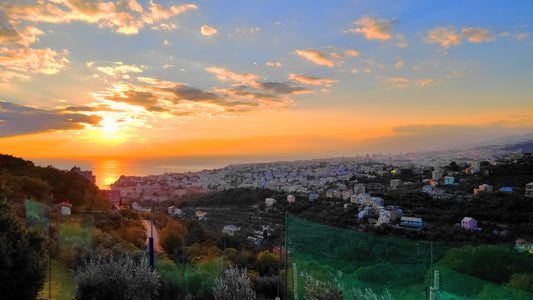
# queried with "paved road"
point(157, 246)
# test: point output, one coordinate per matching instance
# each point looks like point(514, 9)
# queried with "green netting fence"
point(356, 260)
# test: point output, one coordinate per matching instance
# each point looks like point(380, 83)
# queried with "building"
point(201, 215)
point(395, 183)
point(437, 174)
point(449, 180)
point(362, 198)
point(412, 222)
point(87, 174)
point(483, 188)
point(523, 246)
point(291, 199)
point(270, 201)
point(230, 229)
point(65, 208)
point(468, 223)
point(529, 190)
point(313, 197)
point(175, 212)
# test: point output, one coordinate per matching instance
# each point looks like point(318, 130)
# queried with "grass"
point(62, 283)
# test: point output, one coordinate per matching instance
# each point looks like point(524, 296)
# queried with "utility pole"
point(151, 238)
point(50, 247)
point(286, 255)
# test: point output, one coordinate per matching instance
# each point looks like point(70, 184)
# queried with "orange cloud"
point(226, 75)
point(404, 82)
point(447, 36)
point(208, 30)
point(373, 29)
point(399, 64)
point(274, 64)
point(312, 80)
point(17, 63)
point(316, 57)
point(477, 35)
point(347, 53)
point(125, 18)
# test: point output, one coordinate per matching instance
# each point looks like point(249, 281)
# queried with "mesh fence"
point(355, 260)
point(35, 213)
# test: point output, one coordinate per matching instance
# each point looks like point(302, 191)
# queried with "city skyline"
point(157, 78)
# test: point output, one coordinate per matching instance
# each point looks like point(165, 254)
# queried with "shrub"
point(233, 284)
point(114, 279)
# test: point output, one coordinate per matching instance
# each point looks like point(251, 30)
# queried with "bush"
point(114, 279)
point(319, 290)
point(233, 284)
point(22, 258)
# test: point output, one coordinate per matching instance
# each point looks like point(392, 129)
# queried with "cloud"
point(520, 36)
point(447, 36)
point(404, 82)
point(226, 75)
point(316, 57)
point(123, 17)
point(373, 29)
point(273, 64)
point(16, 119)
point(312, 80)
point(119, 68)
point(345, 54)
point(19, 62)
point(477, 34)
point(283, 88)
point(165, 26)
point(185, 92)
point(399, 64)
point(11, 36)
point(208, 30)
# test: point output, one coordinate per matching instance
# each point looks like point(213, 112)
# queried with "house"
point(469, 223)
point(201, 215)
point(291, 199)
point(175, 212)
point(330, 193)
point(65, 208)
point(428, 189)
point(449, 180)
point(313, 197)
point(376, 201)
point(230, 229)
point(362, 198)
point(385, 217)
point(523, 246)
point(483, 188)
point(506, 189)
point(529, 190)
point(437, 174)
point(270, 201)
point(395, 183)
point(412, 222)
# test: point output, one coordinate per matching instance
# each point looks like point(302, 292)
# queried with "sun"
point(108, 126)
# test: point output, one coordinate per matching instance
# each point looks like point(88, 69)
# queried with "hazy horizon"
point(148, 79)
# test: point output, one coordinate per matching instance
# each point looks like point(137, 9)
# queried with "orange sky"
point(159, 78)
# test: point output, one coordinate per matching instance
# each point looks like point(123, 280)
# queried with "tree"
point(172, 238)
point(233, 284)
point(22, 257)
point(114, 279)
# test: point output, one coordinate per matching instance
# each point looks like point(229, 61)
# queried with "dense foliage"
point(22, 257)
point(233, 284)
point(113, 279)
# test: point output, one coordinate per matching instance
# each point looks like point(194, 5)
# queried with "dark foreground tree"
point(116, 279)
point(22, 257)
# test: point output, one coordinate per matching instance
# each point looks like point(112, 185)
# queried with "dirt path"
point(157, 245)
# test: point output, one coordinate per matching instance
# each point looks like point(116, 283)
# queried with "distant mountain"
point(524, 147)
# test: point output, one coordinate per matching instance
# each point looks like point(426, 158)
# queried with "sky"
point(165, 78)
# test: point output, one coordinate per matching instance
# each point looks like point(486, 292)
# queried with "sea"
point(109, 170)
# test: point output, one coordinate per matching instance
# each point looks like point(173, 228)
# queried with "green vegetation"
point(122, 278)
point(22, 257)
point(233, 284)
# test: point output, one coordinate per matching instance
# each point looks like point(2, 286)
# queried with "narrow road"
point(157, 246)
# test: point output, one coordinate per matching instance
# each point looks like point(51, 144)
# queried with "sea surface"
point(109, 170)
